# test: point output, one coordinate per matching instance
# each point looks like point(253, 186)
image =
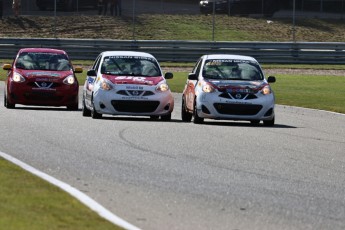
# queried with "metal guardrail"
point(188, 51)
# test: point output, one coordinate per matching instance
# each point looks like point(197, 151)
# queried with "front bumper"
point(211, 105)
point(63, 95)
point(144, 102)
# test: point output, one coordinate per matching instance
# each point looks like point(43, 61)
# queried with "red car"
point(43, 77)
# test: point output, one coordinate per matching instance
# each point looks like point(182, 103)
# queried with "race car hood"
point(135, 80)
point(41, 75)
point(238, 86)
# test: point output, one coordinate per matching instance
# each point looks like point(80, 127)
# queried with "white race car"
point(228, 87)
point(127, 83)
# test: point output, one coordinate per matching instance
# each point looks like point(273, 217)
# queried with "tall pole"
point(213, 18)
point(293, 21)
point(55, 18)
point(133, 35)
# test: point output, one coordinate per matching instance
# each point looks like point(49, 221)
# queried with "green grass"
point(27, 202)
point(174, 27)
point(317, 92)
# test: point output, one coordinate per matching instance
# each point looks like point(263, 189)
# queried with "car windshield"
point(229, 69)
point(43, 61)
point(130, 65)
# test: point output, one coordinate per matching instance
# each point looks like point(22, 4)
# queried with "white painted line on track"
point(83, 198)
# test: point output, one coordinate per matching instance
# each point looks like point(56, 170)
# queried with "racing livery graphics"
point(127, 83)
point(43, 77)
point(228, 87)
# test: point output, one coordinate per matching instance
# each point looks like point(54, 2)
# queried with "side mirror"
point(7, 67)
point(91, 73)
point(78, 70)
point(271, 79)
point(168, 75)
point(192, 76)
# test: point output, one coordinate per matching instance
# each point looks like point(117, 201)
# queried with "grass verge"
point(27, 201)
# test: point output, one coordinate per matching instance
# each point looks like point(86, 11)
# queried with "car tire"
point(73, 107)
point(94, 113)
point(269, 122)
point(197, 119)
point(7, 104)
point(255, 122)
point(186, 117)
point(166, 117)
point(85, 110)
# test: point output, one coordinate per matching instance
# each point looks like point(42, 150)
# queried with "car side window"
point(97, 62)
point(197, 67)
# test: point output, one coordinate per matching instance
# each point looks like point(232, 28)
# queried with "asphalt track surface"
point(176, 175)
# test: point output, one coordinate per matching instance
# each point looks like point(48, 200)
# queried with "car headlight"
point(266, 90)
point(207, 88)
point(163, 87)
point(18, 77)
point(106, 85)
point(70, 80)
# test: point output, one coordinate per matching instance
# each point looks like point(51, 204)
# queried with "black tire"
point(73, 107)
point(186, 117)
point(85, 110)
point(7, 104)
point(269, 122)
point(255, 122)
point(94, 113)
point(197, 119)
point(166, 117)
point(153, 117)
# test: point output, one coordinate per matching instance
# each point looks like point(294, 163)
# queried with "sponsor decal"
point(129, 57)
point(43, 89)
point(131, 87)
point(131, 78)
point(134, 98)
point(37, 74)
point(238, 102)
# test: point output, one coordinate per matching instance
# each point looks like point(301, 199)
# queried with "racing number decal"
point(131, 78)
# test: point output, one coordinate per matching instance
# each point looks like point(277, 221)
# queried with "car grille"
point(237, 109)
point(135, 106)
point(41, 84)
point(243, 96)
point(43, 96)
point(135, 93)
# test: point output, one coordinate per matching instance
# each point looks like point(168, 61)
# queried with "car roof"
point(127, 53)
point(229, 56)
point(42, 50)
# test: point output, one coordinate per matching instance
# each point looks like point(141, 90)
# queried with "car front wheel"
point(166, 117)
point(86, 111)
point(7, 104)
point(73, 107)
point(94, 113)
point(269, 122)
point(187, 117)
point(197, 119)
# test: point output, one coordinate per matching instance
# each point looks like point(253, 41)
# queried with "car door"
point(191, 84)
